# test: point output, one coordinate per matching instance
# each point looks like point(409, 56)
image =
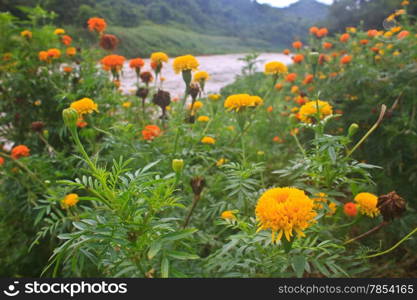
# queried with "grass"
point(145, 39)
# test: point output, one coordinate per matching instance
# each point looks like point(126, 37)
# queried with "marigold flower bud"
point(70, 116)
point(391, 206)
point(177, 165)
point(197, 184)
point(353, 128)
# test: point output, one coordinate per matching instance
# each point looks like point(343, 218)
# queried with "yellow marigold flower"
point(203, 119)
point(319, 199)
point(127, 104)
point(38, 103)
point(308, 110)
point(159, 57)
point(240, 101)
point(208, 140)
point(70, 200)
point(351, 29)
point(332, 209)
point(391, 18)
point(275, 68)
point(185, 63)
point(214, 97)
point(396, 29)
point(367, 204)
point(284, 210)
point(388, 34)
point(59, 31)
point(71, 51)
point(405, 3)
point(228, 215)
point(196, 106)
point(201, 76)
point(221, 162)
point(26, 34)
point(396, 53)
point(295, 89)
point(84, 106)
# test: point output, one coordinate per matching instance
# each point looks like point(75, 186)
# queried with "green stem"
point(395, 246)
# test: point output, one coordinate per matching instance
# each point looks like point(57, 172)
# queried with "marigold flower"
point(203, 119)
point(313, 30)
point(295, 89)
point(350, 209)
point(70, 200)
point(136, 63)
point(112, 62)
point(66, 40)
point(299, 58)
point(221, 162)
point(228, 215)
point(81, 123)
point(97, 24)
point(150, 132)
point(26, 34)
point(214, 97)
point(127, 104)
point(159, 57)
point(286, 51)
point(405, 3)
point(308, 79)
point(297, 45)
point(54, 53)
point(308, 110)
point(351, 29)
point(201, 76)
point(346, 59)
point(84, 106)
point(277, 139)
point(196, 105)
point(291, 77)
point(71, 51)
point(108, 42)
point(59, 31)
point(67, 69)
point(283, 211)
point(208, 140)
point(322, 32)
point(327, 45)
point(269, 109)
point(20, 151)
point(372, 33)
point(240, 101)
point(43, 56)
point(344, 37)
point(403, 34)
point(367, 204)
point(185, 63)
point(275, 68)
point(279, 86)
point(364, 42)
point(1, 161)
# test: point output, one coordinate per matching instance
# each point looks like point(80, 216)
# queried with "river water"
point(223, 70)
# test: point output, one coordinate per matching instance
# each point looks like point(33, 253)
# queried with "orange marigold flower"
point(403, 34)
point(97, 24)
point(364, 42)
point(269, 109)
point(70, 200)
point(136, 63)
point(150, 132)
point(54, 53)
point(297, 45)
point(277, 139)
point(278, 86)
point(43, 56)
point(286, 51)
point(228, 215)
point(344, 37)
point(71, 51)
point(67, 69)
point(322, 32)
point(327, 45)
point(81, 123)
point(20, 151)
point(1, 161)
point(350, 209)
point(372, 33)
point(299, 58)
point(208, 140)
point(291, 77)
point(66, 40)
point(346, 59)
point(308, 79)
point(313, 30)
point(112, 62)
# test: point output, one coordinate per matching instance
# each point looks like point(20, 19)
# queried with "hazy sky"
point(282, 3)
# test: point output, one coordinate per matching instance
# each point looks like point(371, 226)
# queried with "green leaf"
point(154, 249)
point(332, 154)
point(298, 264)
point(164, 267)
point(182, 255)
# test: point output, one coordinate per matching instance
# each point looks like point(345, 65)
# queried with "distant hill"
point(246, 21)
point(308, 10)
